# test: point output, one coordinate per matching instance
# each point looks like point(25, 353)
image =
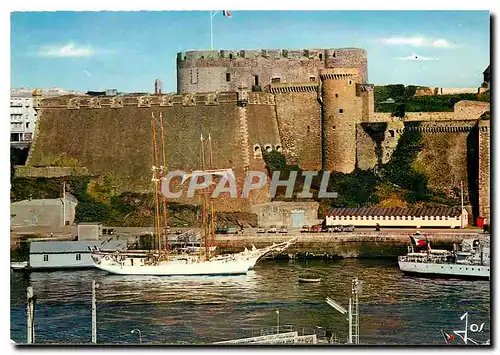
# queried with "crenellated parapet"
point(338, 73)
point(293, 87)
point(225, 70)
point(260, 98)
point(439, 129)
point(149, 101)
point(271, 54)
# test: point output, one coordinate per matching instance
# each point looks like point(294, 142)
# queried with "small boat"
point(309, 279)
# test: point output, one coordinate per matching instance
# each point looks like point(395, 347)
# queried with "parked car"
point(317, 228)
point(349, 228)
point(232, 230)
point(272, 229)
point(261, 230)
point(305, 229)
point(283, 229)
point(338, 229)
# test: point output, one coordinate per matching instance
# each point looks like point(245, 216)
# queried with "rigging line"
point(163, 171)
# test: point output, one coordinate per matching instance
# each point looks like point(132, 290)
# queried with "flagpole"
point(212, 14)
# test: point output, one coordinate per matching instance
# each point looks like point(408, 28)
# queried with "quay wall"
point(344, 245)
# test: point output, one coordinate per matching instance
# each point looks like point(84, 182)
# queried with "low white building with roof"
point(434, 217)
point(67, 255)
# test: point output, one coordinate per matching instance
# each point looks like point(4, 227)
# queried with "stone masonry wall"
point(115, 135)
point(226, 70)
point(484, 182)
point(299, 122)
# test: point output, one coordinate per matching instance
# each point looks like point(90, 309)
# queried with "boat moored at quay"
point(469, 260)
point(161, 261)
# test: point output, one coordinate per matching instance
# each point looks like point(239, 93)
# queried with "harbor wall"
point(344, 245)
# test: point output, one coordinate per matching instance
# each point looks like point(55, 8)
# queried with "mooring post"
point(31, 315)
point(94, 313)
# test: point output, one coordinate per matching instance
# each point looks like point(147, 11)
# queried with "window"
point(78, 257)
point(341, 110)
point(350, 82)
point(320, 56)
point(312, 78)
point(308, 129)
point(194, 76)
point(391, 132)
point(45, 257)
point(336, 95)
point(256, 80)
point(228, 76)
point(275, 80)
point(27, 124)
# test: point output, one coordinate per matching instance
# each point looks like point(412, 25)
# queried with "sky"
point(128, 50)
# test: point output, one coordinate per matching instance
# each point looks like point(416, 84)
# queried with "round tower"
point(342, 111)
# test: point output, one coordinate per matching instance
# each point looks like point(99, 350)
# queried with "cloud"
point(416, 57)
point(67, 50)
point(441, 43)
point(418, 42)
point(87, 73)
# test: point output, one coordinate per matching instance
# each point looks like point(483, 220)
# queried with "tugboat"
point(471, 260)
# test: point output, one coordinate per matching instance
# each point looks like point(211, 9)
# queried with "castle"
point(314, 105)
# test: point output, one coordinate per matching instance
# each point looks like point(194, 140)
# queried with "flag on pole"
point(226, 13)
point(448, 338)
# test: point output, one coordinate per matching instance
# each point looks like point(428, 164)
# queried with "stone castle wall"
point(484, 179)
point(104, 135)
point(329, 120)
point(299, 123)
point(226, 70)
point(448, 156)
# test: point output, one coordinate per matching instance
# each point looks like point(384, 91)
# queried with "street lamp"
point(138, 331)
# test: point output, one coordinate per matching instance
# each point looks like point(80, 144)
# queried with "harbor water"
point(394, 309)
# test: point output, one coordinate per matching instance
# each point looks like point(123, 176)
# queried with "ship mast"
point(155, 181)
point(204, 204)
point(163, 171)
point(212, 209)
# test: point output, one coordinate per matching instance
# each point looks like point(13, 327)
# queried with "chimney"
point(158, 87)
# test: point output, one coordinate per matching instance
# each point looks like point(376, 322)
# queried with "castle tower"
point(342, 110)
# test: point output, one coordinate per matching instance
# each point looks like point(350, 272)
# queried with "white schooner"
point(162, 262)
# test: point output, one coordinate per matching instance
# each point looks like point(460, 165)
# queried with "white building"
point(55, 212)
point(23, 116)
point(434, 217)
point(22, 121)
point(62, 255)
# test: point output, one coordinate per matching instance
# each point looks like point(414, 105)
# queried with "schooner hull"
point(204, 268)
